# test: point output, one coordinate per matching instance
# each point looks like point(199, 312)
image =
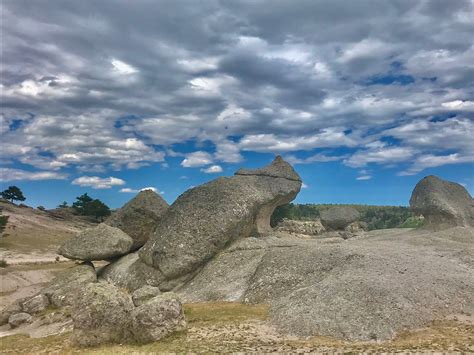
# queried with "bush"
point(3, 263)
point(41, 208)
point(3, 223)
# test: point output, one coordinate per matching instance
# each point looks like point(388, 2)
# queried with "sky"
point(364, 98)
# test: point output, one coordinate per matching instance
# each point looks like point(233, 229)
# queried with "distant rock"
point(442, 203)
point(63, 289)
point(144, 294)
point(101, 314)
point(157, 318)
point(139, 216)
point(102, 242)
point(131, 273)
point(310, 228)
point(338, 217)
point(18, 319)
point(35, 304)
point(8, 311)
point(205, 219)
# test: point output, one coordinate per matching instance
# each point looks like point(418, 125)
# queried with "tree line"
point(376, 217)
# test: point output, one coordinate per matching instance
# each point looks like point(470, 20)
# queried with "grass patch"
point(3, 263)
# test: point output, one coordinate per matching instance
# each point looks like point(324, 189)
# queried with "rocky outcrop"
point(131, 273)
point(338, 217)
point(310, 228)
point(144, 294)
point(139, 217)
point(63, 289)
point(99, 243)
point(35, 304)
point(8, 311)
point(207, 218)
point(160, 316)
point(18, 319)
point(442, 203)
point(101, 314)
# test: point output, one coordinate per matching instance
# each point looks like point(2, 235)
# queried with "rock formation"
point(158, 317)
point(99, 243)
point(310, 228)
point(101, 314)
point(207, 218)
point(442, 203)
point(139, 217)
point(338, 217)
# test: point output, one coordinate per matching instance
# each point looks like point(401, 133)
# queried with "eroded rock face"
point(99, 243)
point(206, 219)
point(158, 317)
point(63, 289)
point(442, 203)
point(101, 314)
point(131, 273)
point(139, 216)
point(338, 217)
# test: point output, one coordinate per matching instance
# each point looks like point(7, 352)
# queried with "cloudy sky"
point(108, 97)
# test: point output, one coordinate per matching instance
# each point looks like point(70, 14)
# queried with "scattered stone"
point(5, 314)
point(157, 318)
point(338, 217)
point(144, 294)
point(442, 203)
point(18, 319)
point(101, 314)
point(139, 217)
point(99, 243)
point(63, 289)
point(311, 228)
point(131, 273)
point(207, 218)
point(35, 304)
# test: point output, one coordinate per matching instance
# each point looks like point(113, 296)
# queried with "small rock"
point(157, 318)
point(5, 314)
point(339, 217)
point(18, 319)
point(144, 294)
point(35, 304)
point(102, 242)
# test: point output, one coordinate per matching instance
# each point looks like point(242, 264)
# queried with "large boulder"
point(160, 316)
point(139, 217)
point(338, 217)
point(63, 289)
point(101, 314)
point(99, 243)
point(131, 273)
point(442, 203)
point(207, 218)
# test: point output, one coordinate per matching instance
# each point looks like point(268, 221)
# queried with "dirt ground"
point(233, 327)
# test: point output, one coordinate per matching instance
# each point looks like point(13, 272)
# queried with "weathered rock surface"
point(18, 319)
point(205, 219)
point(101, 314)
point(8, 311)
point(99, 243)
point(311, 228)
point(63, 289)
point(370, 287)
point(131, 273)
point(160, 316)
point(139, 217)
point(35, 304)
point(442, 203)
point(144, 294)
point(338, 217)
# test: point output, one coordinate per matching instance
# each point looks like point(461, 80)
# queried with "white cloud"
point(122, 67)
point(97, 182)
point(364, 177)
point(130, 190)
point(316, 158)
point(430, 161)
point(304, 186)
point(197, 159)
point(382, 155)
point(8, 174)
point(213, 169)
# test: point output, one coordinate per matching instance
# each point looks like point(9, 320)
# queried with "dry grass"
point(233, 327)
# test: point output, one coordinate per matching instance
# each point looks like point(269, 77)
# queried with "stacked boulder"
point(442, 203)
point(206, 219)
point(344, 220)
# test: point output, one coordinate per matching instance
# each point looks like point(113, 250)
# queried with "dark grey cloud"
point(283, 76)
